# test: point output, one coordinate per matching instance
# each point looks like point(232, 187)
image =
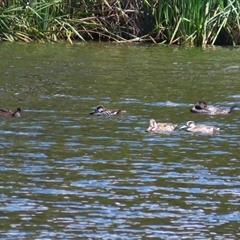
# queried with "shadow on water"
point(67, 174)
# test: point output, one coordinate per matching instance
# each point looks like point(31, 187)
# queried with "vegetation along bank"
point(188, 22)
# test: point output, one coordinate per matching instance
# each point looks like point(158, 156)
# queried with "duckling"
point(202, 107)
point(9, 113)
point(192, 127)
point(160, 127)
point(102, 111)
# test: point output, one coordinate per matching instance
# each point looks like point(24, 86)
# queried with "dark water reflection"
point(66, 174)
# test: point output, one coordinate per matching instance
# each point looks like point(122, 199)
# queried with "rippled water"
point(66, 174)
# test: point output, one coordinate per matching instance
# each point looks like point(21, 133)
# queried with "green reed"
point(198, 22)
point(36, 21)
point(170, 21)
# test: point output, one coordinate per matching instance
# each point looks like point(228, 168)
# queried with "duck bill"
point(91, 113)
point(183, 127)
point(148, 129)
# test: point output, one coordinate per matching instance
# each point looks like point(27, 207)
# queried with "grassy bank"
point(161, 21)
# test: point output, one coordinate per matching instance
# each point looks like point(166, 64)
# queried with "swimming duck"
point(192, 127)
point(102, 111)
point(160, 127)
point(9, 113)
point(202, 107)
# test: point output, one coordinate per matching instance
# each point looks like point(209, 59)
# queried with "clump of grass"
point(197, 22)
point(43, 21)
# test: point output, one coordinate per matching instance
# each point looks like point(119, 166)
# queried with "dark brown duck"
point(9, 113)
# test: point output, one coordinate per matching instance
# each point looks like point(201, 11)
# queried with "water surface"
point(66, 174)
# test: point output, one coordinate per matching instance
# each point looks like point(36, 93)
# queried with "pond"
point(66, 174)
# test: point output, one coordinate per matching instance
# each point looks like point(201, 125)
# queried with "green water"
point(66, 174)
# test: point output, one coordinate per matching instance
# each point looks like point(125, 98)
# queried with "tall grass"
point(198, 22)
point(170, 21)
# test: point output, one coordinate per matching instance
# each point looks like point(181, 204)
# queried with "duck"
point(202, 107)
point(102, 111)
point(160, 127)
point(192, 127)
point(9, 113)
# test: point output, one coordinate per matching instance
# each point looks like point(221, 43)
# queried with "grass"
point(160, 21)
